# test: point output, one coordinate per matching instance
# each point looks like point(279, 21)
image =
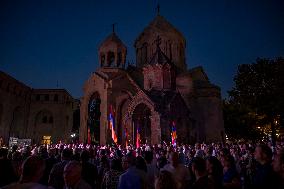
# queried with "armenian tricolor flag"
point(111, 124)
point(125, 135)
point(174, 133)
point(138, 140)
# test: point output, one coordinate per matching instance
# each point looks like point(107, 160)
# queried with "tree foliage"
point(257, 97)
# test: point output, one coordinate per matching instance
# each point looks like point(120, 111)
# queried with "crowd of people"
point(239, 165)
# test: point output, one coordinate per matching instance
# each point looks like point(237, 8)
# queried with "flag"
point(137, 137)
point(111, 124)
point(174, 133)
point(125, 135)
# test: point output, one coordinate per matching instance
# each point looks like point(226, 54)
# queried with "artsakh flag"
point(111, 124)
point(138, 137)
point(174, 133)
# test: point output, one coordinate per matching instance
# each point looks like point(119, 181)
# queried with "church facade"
point(151, 96)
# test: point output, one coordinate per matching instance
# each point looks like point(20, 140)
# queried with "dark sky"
point(45, 41)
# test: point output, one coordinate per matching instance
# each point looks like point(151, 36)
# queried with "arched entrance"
point(93, 123)
point(44, 122)
point(141, 123)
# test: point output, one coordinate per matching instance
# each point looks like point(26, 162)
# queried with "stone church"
point(159, 90)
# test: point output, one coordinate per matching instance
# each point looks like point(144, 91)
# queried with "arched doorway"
point(142, 123)
point(17, 123)
point(44, 122)
point(93, 123)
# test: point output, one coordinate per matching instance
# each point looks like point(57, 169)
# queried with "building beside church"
point(43, 115)
point(147, 98)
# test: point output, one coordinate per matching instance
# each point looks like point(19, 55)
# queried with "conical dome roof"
point(160, 25)
point(112, 41)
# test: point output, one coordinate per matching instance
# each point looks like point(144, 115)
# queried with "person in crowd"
point(73, 176)
point(111, 177)
point(56, 174)
point(179, 171)
point(131, 178)
point(165, 180)
point(7, 174)
point(278, 167)
point(32, 171)
point(264, 176)
point(49, 162)
point(215, 171)
point(89, 170)
point(152, 170)
point(230, 174)
point(202, 179)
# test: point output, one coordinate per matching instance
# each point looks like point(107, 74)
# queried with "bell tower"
point(112, 51)
point(159, 73)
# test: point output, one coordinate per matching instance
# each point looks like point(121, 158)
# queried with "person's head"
point(148, 157)
point(72, 173)
point(140, 163)
point(263, 154)
point(66, 154)
point(3, 153)
point(209, 150)
point(198, 166)
point(174, 159)
point(165, 180)
point(214, 166)
point(42, 151)
point(115, 164)
point(85, 156)
point(128, 160)
point(278, 163)
point(228, 161)
point(32, 169)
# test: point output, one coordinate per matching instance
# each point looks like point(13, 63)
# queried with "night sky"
point(45, 41)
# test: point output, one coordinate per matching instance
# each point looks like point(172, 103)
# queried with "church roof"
point(162, 25)
point(160, 57)
point(113, 38)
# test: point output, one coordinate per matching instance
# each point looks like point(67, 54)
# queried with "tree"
point(239, 122)
point(260, 88)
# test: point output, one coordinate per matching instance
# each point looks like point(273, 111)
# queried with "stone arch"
point(123, 102)
point(141, 98)
point(141, 118)
point(17, 123)
point(44, 126)
point(93, 118)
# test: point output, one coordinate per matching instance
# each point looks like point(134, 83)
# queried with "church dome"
point(112, 52)
point(160, 25)
point(173, 43)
